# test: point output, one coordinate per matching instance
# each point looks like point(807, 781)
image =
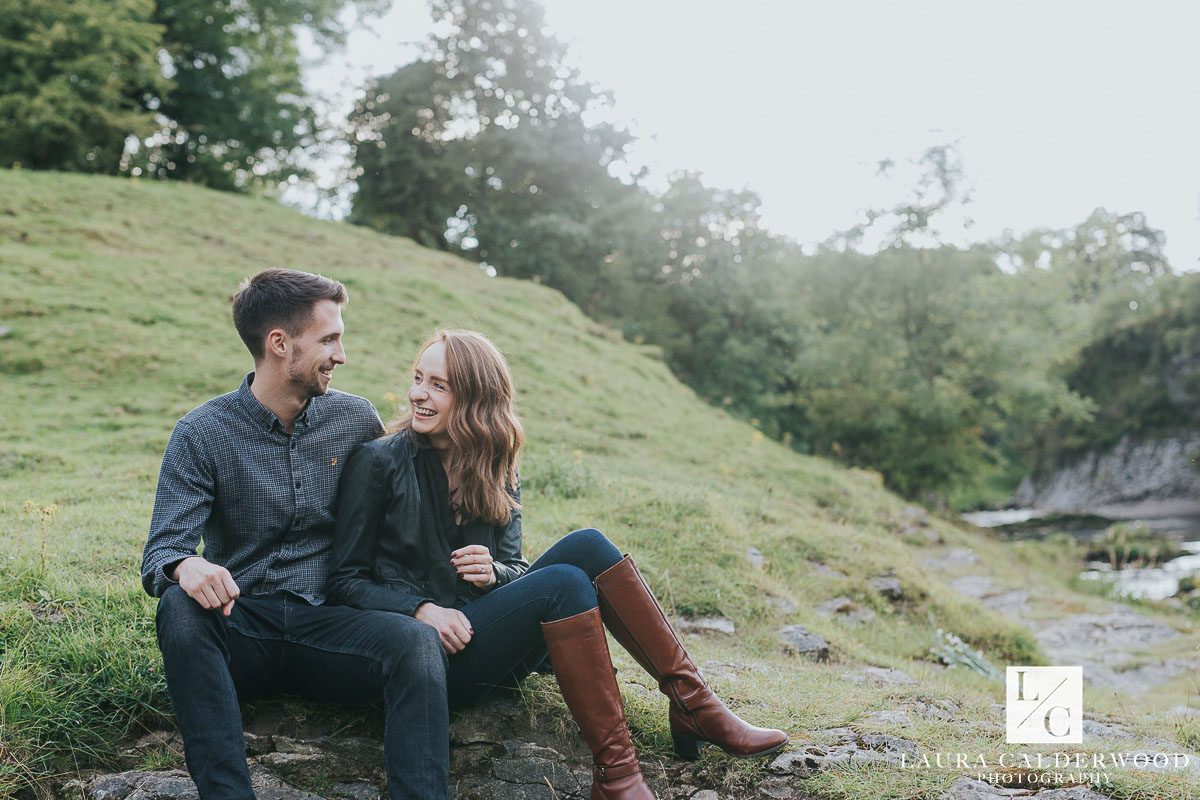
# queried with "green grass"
point(116, 297)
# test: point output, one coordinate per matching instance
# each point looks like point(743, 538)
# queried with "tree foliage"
point(74, 75)
point(210, 89)
point(482, 147)
point(950, 370)
point(944, 368)
point(1141, 374)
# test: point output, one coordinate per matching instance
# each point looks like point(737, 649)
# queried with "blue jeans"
point(327, 653)
point(507, 644)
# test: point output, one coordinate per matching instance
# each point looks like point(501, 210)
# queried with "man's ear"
point(277, 342)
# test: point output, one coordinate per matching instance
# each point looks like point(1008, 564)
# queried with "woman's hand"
point(452, 625)
point(474, 565)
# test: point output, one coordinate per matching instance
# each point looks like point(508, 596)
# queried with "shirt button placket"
point(290, 537)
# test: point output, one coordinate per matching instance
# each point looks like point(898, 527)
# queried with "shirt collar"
point(265, 416)
point(257, 411)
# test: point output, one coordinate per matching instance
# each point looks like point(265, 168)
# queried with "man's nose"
point(339, 354)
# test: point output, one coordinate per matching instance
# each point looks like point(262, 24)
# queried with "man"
point(254, 474)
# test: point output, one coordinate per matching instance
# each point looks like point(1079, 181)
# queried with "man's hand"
point(474, 565)
point(451, 624)
point(207, 583)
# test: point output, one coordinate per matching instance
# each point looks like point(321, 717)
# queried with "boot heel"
point(686, 745)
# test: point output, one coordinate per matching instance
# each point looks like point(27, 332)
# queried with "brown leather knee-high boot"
point(583, 667)
point(697, 715)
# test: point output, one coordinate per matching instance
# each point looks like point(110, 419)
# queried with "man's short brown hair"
point(280, 298)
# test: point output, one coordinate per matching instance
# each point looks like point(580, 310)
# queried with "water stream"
point(1151, 583)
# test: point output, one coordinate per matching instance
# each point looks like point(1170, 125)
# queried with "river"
point(1154, 583)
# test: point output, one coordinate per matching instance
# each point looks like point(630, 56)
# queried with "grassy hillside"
point(114, 297)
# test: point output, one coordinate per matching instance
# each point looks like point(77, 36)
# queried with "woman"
point(429, 524)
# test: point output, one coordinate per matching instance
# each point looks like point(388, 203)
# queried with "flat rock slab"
point(356, 791)
point(1122, 629)
point(525, 764)
point(1012, 602)
point(886, 676)
point(1106, 644)
point(915, 515)
point(778, 789)
point(706, 625)
point(942, 708)
point(897, 717)
point(798, 640)
point(844, 608)
point(888, 586)
point(977, 586)
point(851, 750)
point(783, 604)
point(828, 571)
point(343, 758)
point(958, 557)
point(175, 785)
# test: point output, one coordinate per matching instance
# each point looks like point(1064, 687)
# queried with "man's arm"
point(182, 506)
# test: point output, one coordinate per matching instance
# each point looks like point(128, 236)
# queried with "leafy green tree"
point(237, 110)
point(925, 364)
point(1108, 269)
point(1142, 375)
point(411, 180)
point(74, 75)
point(482, 148)
point(210, 89)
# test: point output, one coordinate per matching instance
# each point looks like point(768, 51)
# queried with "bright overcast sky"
point(1058, 107)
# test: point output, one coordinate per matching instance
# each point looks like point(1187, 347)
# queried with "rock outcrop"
point(500, 750)
point(1161, 476)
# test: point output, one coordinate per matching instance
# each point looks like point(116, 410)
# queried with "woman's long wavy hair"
point(484, 430)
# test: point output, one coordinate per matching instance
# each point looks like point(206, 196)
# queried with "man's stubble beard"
point(306, 385)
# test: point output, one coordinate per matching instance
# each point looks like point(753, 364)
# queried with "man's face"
point(316, 350)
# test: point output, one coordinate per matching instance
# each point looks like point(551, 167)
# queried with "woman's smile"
point(429, 397)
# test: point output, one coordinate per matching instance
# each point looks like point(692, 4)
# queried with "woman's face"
point(430, 396)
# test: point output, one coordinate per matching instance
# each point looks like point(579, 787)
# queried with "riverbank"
point(821, 603)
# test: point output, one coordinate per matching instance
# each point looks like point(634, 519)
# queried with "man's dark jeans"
point(326, 653)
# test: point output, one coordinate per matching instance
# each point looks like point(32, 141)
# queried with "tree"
point(482, 148)
point(74, 75)
point(411, 180)
point(209, 89)
point(237, 110)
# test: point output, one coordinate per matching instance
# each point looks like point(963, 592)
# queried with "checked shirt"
point(261, 500)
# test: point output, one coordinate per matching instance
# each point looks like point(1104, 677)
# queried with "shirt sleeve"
point(182, 505)
point(375, 424)
point(508, 563)
point(364, 492)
